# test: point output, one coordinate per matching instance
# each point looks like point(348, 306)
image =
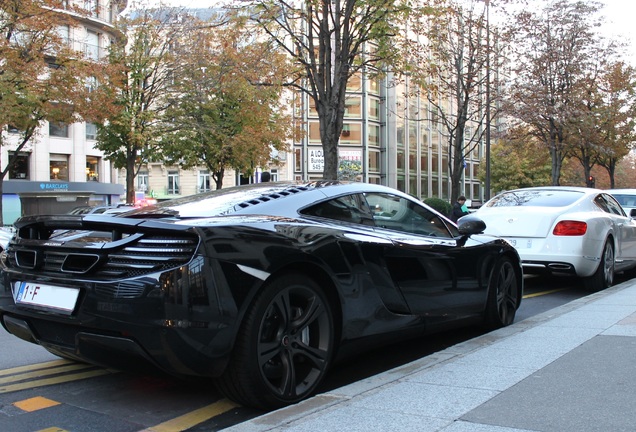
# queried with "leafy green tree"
point(329, 41)
point(41, 77)
point(442, 206)
point(555, 48)
point(616, 117)
point(227, 109)
point(131, 137)
point(517, 163)
point(452, 59)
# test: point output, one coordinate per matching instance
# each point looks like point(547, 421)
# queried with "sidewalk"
point(572, 368)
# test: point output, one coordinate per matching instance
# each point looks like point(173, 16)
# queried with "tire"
point(284, 346)
point(603, 277)
point(503, 295)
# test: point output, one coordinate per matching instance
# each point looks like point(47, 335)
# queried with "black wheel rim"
point(608, 265)
point(507, 293)
point(294, 343)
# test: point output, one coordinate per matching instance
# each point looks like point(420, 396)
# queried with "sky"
point(619, 16)
point(619, 19)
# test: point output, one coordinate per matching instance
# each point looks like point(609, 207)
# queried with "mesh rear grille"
point(144, 255)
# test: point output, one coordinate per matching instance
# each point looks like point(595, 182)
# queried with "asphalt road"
point(39, 391)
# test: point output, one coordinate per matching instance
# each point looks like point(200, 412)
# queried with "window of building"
point(412, 134)
point(413, 185)
point(274, 175)
point(298, 160)
point(92, 45)
point(91, 131)
point(354, 84)
point(57, 129)
point(434, 163)
point(373, 85)
point(63, 31)
point(142, 181)
point(313, 112)
point(374, 135)
point(399, 129)
point(92, 168)
point(19, 166)
point(424, 187)
point(314, 131)
point(412, 160)
point(424, 162)
point(173, 182)
point(91, 84)
point(91, 6)
point(203, 181)
point(353, 107)
point(351, 133)
point(400, 160)
point(374, 108)
point(374, 161)
point(58, 167)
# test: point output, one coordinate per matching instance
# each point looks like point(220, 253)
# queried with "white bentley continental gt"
point(562, 230)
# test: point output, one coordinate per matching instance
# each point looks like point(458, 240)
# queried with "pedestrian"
point(459, 209)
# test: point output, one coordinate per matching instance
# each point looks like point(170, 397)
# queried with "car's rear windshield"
point(535, 198)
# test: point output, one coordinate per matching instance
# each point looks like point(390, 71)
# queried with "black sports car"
point(261, 287)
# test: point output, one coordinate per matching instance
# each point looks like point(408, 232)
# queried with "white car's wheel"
point(604, 275)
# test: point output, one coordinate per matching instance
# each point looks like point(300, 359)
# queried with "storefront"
point(24, 198)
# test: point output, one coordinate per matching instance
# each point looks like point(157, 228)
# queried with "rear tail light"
point(570, 228)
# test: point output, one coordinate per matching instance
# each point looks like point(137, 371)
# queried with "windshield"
point(535, 198)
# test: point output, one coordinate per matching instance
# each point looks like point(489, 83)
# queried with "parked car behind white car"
point(564, 230)
point(626, 198)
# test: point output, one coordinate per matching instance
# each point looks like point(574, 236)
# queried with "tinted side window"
point(399, 214)
point(347, 208)
point(610, 205)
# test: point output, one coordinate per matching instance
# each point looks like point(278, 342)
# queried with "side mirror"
point(470, 224)
point(632, 213)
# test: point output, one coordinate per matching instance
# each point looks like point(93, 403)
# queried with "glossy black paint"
point(172, 284)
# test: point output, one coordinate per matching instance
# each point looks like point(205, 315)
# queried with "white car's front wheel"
point(603, 277)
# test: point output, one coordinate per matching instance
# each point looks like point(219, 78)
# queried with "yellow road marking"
point(34, 367)
point(52, 429)
point(51, 381)
point(41, 372)
point(544, 293)
point(193, 418)
point(35, 404)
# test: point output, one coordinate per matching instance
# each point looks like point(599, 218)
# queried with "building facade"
point(390, 136)
point(392, 133)
point(61, 168)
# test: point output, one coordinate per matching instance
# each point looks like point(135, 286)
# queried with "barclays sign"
point(54, 186)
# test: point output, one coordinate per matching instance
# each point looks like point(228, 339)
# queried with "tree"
point(554, 48)
point(41, 77)
point(227, 110)
point(452, 71)
point(329, 41)
point(617, 115)
point(131, 137)
point(518, 162)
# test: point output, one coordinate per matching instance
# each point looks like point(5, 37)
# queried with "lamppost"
point(487, 191)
